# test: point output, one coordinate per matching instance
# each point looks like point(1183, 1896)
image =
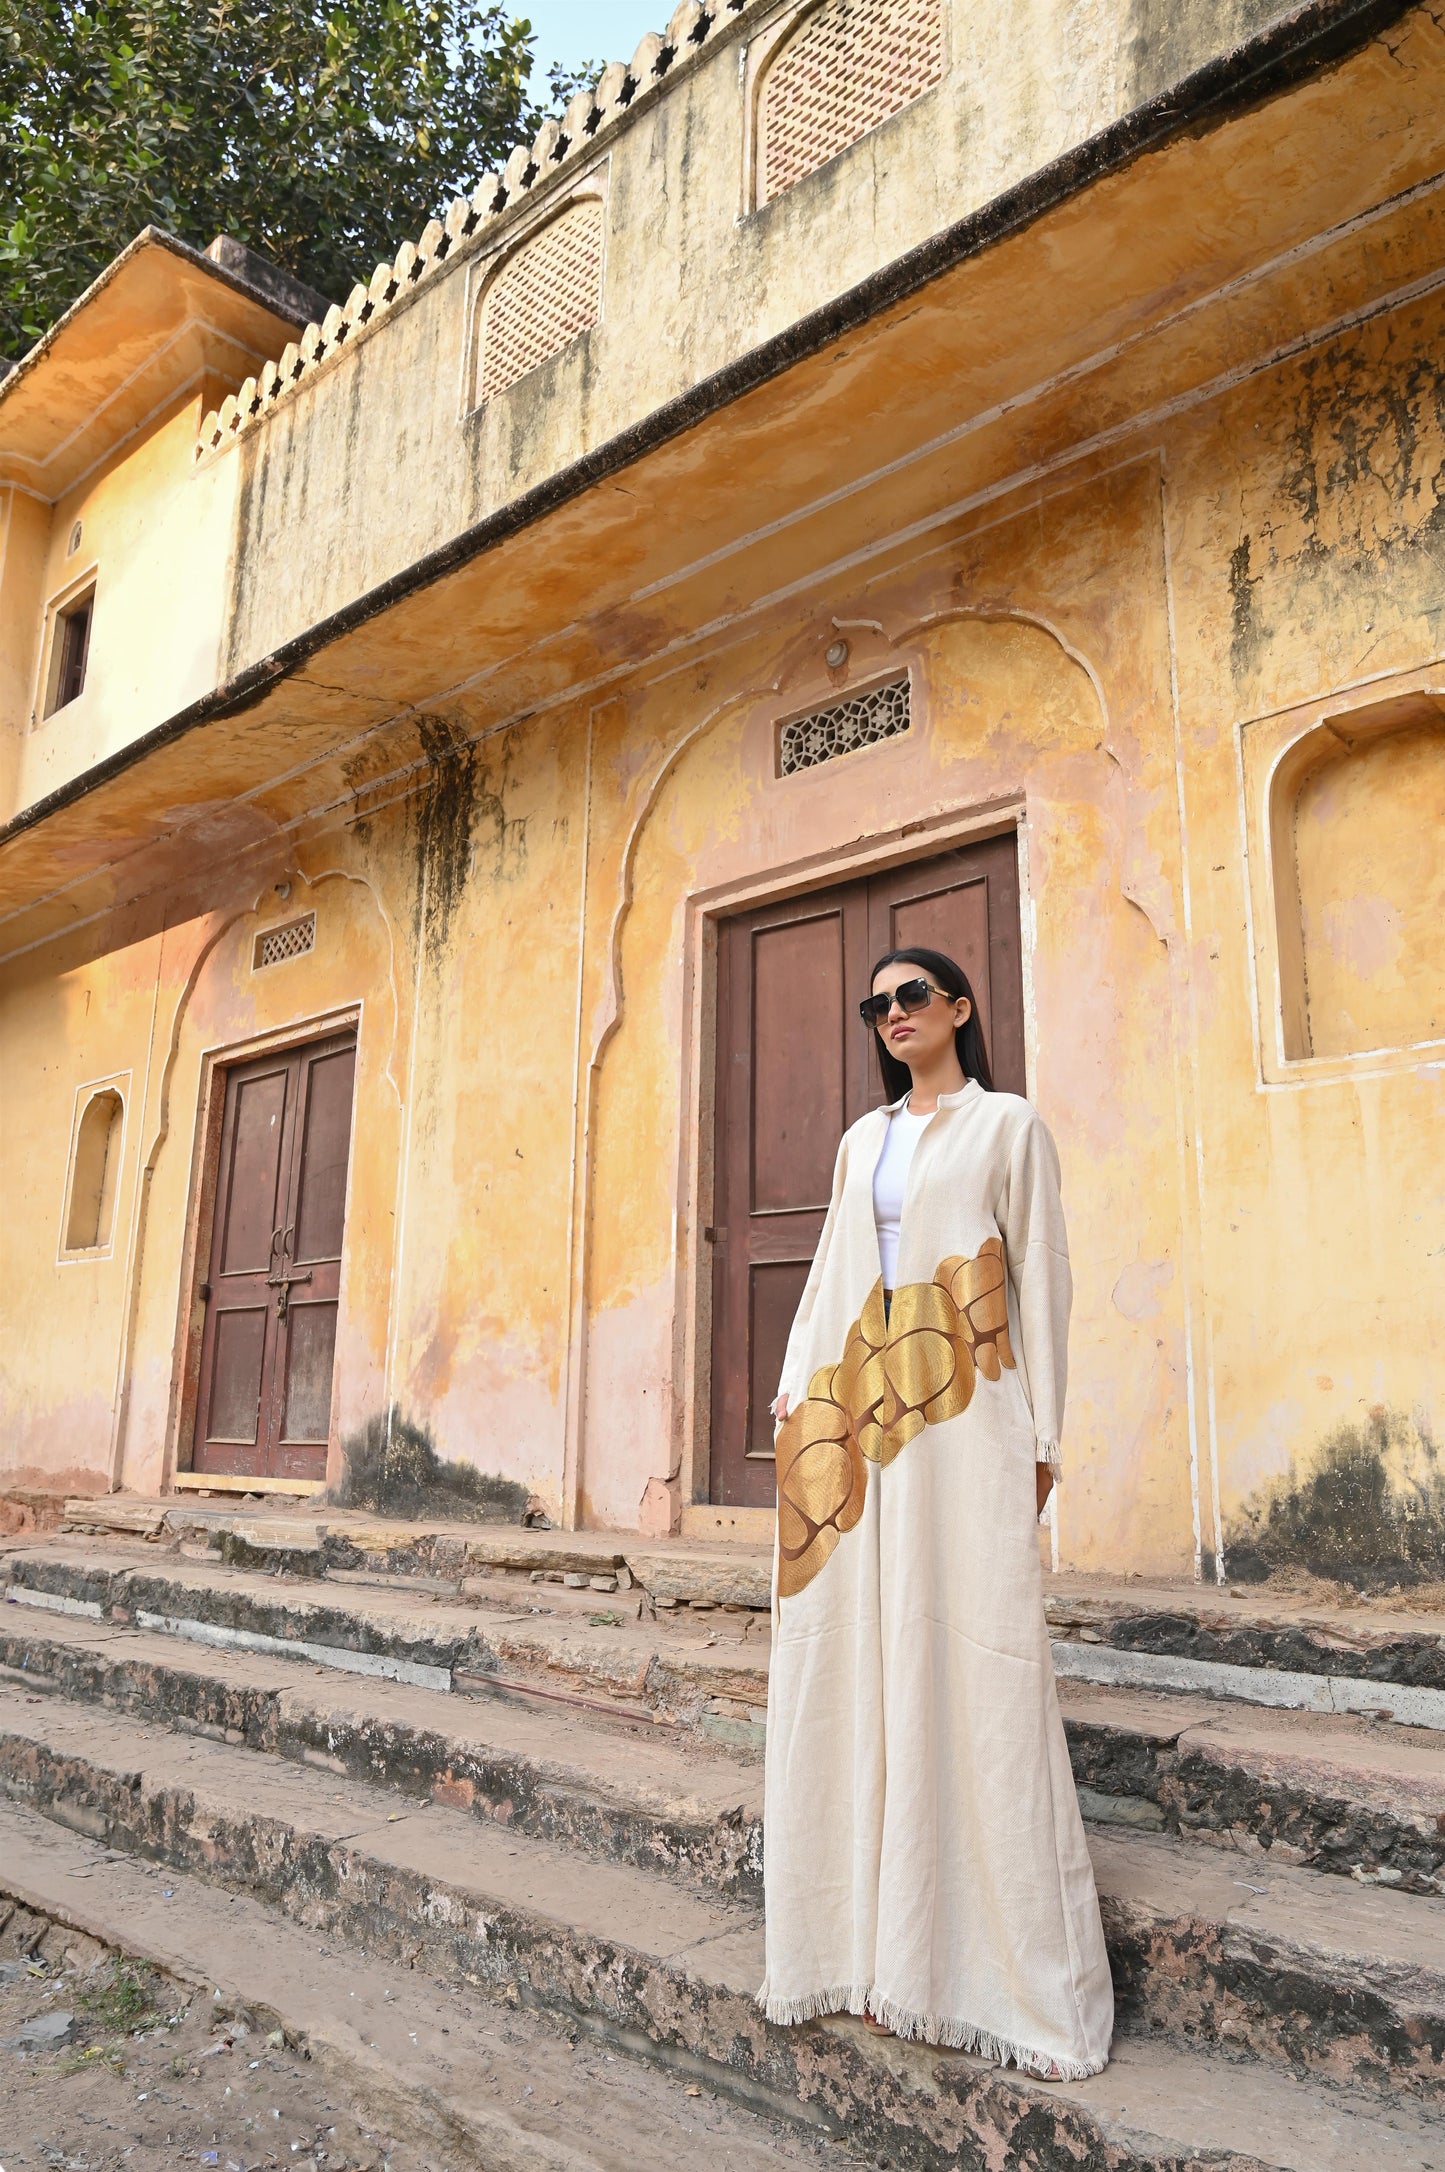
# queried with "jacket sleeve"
point(788, 1380)
point(1037, 1249)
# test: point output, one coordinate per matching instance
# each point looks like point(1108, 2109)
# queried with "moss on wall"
point(459, 818)
point(393, 1469)
point(1370, 1511)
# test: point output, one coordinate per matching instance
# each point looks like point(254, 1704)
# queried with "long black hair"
point(967, 1038)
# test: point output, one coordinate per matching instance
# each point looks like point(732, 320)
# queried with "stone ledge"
point(1246, 1628)
point(306, 1542)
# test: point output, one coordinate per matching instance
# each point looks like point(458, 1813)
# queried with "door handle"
point(281, 1282)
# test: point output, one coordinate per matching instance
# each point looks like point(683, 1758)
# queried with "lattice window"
point(844, 726)
point(287, 941)
point(846, 68)
point(542, 298)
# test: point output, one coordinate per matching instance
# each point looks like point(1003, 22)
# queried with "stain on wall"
point(392, 1468)
point(1369, 1511)
point(442, 812)
point(459, 818)
point(1349, 493)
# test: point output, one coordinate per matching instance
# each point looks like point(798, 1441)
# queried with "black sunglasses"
point(909, 995)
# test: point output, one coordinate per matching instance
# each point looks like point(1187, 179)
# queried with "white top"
point(889, 1179)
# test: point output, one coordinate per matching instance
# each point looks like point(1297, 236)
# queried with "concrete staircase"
point(525, 1767)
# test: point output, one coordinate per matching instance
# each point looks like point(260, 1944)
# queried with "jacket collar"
point(945, 1101)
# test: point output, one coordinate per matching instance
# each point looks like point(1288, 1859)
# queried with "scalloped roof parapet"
point(557, 143)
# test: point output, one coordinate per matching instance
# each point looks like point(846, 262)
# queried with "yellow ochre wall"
point(155, 541)
point(1123, 661)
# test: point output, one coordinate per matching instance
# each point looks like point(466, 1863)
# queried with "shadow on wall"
point(393, 1469)
point(1370, 1513)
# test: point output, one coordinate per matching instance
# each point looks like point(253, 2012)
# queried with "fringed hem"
point(1048, 1451)
point(937, 2029)
point(788, 2013)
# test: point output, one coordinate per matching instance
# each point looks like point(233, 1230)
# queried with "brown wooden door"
point(794, 1069)
point(264, 1402)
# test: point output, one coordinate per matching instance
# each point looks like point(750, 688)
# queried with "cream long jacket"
point(925, 1860)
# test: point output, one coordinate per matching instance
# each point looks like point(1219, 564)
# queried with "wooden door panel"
point(268, 1351)
point(325, 1155)
point(254, 1173)
point(236, 1377)
point(792, 1073)
point(794, 1070)
point(774, 1290)
point(798, 1108)
point(310, 1355)
point(237, 1349)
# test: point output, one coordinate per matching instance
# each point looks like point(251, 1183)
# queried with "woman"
point(925, 1860)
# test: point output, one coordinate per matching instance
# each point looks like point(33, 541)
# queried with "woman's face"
point(918, 1038)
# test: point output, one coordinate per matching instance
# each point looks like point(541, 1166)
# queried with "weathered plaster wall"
point(24, 534)
point(156, 537)
point(1304, 511)
point(691, 282)
point(1257, 1250)
point(1124, 644)
point(1369, 828)
point(489, 852)
point(67, 1023)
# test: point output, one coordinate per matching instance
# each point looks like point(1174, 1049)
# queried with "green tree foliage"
point(321, 132)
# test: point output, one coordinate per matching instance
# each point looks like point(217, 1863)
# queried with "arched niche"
point(95, 1173)
point(1357, 812)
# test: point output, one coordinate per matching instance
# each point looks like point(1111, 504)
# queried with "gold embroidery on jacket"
point(894, 1378)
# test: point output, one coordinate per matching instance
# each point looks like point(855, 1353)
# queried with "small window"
point(861, 720)
point(69, 651)
point(291, 940)
point(95, 1173)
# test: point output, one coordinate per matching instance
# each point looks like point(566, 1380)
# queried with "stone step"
point(1335, 1794)
point(1339, 1793)
point(1242, 1645)
point(1166, 1639)
point(435, 2064)
point(693, 1670)
point(656, 1798)
point(1281, 1688)
point(1160, 1633)
point(654, 1966)
point(301, 1541)
point(1337, 1978)
point(1239, 1627)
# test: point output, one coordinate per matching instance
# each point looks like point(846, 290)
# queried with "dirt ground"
point(151, 2077)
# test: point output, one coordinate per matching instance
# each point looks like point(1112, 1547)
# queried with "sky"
point(575, 31)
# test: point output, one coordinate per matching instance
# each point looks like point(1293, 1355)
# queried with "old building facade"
point(868, 473)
